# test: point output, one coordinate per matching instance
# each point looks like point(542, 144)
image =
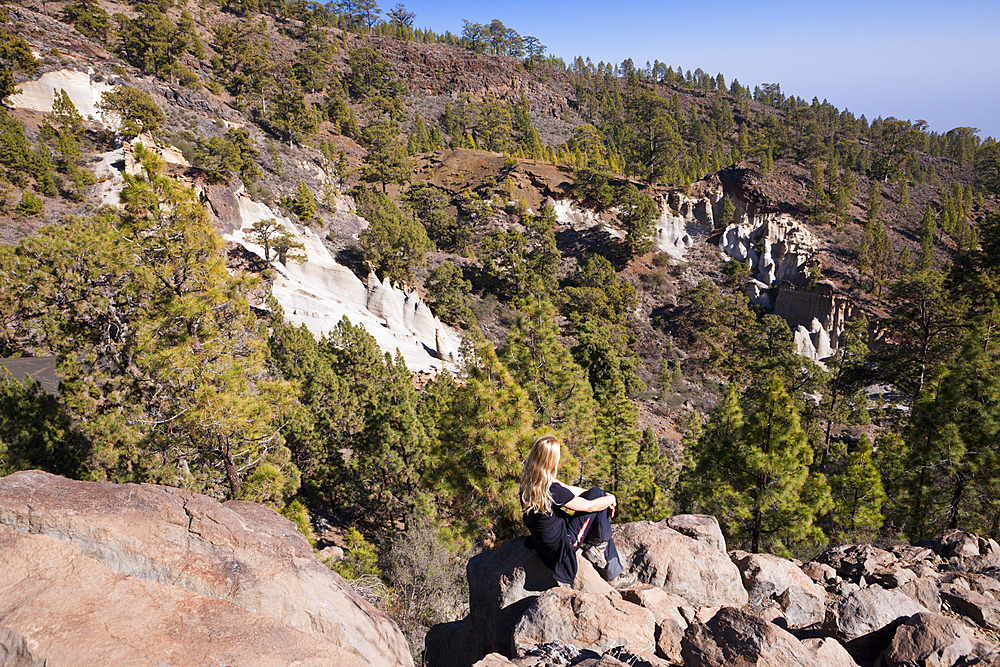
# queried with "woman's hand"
point(613, 505)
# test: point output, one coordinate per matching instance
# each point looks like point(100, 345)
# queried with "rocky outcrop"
point(320, 291)
point(816, 317)
point(777, 248)
point(853, 605)
point(94, 573)
point(684, 219)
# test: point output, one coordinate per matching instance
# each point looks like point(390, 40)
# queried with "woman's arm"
point(581, 504)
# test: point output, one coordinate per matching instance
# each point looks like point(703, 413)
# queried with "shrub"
point(30, 205)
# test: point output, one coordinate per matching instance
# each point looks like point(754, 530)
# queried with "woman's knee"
point(593, 493)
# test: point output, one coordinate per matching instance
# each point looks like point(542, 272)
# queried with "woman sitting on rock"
point(563, 518)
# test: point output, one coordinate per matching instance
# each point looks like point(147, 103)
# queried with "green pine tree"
point(858, 494)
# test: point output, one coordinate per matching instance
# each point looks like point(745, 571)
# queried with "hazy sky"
point(935, 61)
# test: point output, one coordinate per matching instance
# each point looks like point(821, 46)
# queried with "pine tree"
point(928, 226)
point(558, 389)
point(858, 494)
point(484, 435)
point(755, 473)
point(650, 502)
point(304, 203)
point(953, 432)
point(163, 363)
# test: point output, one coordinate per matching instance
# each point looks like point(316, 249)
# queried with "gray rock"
point(928, 640)
point(924, 591)
point(821, 573)
point(14, 651)
point(768, 577)
point(960, 544)
point(735, 637)
point(671, 613)
point(892, 576)
point(503, 583)
point(866, 620)
point(872, 609)
point(854, 562)
point(589, 620)
point(702, 527)
point(661, 556)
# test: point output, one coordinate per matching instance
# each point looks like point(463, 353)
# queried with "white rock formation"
point(784, 244)
point(319, 292)
point(682, 220)
point(85, 93)
point(813, 342)
point(568, 213)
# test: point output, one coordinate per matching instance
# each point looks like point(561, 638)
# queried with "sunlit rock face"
point(817, 318)
point(777, 248)
point(319, 292)
point(82, 89)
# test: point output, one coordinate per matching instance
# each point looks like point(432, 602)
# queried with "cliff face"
point(99, 574)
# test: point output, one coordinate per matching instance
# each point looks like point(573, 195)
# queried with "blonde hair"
point(539, 471)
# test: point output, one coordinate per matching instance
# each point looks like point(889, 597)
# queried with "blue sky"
point(934, 61)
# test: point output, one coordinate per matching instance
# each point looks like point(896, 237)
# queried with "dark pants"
point(595, 528)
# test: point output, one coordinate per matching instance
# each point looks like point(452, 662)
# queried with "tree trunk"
point(956, 499)
point(235, 485)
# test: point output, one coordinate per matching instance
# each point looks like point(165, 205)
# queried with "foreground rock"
point(769, 578)
point(144, 575)
point(853, 605)
point(929, 639)
point(696, 571)
point(735, 637)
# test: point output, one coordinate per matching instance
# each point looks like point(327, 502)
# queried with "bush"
point(296, 512)
point(30, 205)
point(428, 580)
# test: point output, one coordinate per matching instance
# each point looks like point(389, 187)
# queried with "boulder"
point(694, 570)
point(94, 573)
point(503, 582)
point(928, 640)
point(982, 609)
point(892, 576)
point(872, 609)
point(821, 573)
point(959, 543)
point(672, 614)
point(589, 620)
point(767, 577)
point(735, 637)
point(494, 660)
point(924, 591)
point(702, 527)
point(452, 644)
point(14, 651)
point(866, 620)
point(829, 651)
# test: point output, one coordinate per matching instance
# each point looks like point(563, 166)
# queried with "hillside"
point(296, 255)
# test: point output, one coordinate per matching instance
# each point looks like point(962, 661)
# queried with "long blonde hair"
point(539, 471)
